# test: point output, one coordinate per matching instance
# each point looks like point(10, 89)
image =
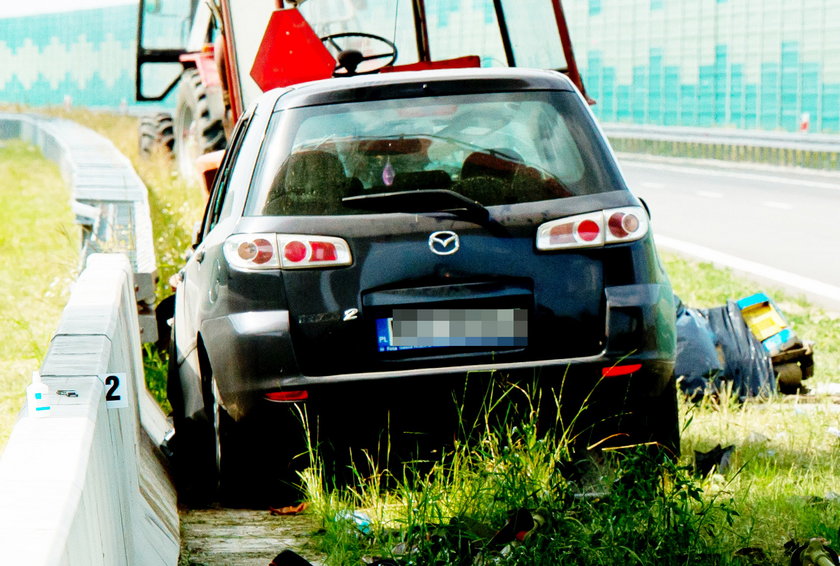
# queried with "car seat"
point(309, 183)
point(500, 176)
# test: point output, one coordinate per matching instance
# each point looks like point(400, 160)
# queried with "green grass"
point(39, 251)
point(642, 508)
point(785, 473)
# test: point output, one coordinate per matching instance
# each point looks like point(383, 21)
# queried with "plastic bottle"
point(37, 403)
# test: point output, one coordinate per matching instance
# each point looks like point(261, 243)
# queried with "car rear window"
point(496, 149)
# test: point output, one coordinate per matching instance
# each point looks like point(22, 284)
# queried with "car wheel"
point(259, 458)
point(156, 132)
point(662, 422)
point(198, 123)
point(193, 463)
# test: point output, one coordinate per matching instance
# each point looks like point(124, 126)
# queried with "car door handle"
point(199, 255)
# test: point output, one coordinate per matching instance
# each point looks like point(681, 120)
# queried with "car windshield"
point(496, 149)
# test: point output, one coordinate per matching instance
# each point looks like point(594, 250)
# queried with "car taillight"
point(286, 251)
point(593, 229)
point(299, 252)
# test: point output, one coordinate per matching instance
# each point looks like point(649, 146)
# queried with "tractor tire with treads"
point(198, 122)
point(156, 131)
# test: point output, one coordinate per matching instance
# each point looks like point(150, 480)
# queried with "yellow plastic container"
point(764, 320)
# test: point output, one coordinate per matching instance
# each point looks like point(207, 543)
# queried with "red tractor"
point(222, 54)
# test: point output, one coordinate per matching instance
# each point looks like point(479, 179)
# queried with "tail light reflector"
point(287, 396)
point(593, 229)
point(286, 251)
point(615, 371)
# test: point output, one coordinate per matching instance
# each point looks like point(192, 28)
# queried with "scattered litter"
point(717, 458)
point(520, 524)
point(697, 359)
point(746, 344)
point(289, 558)
point(833, 430)
point(815, 552)
point(288, 510)
point(757, 437)
point(361, 521)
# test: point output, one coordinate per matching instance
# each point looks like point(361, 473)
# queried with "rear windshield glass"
point(496, 149)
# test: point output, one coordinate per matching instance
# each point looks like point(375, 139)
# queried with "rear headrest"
point(481, 164)
point(309, 182)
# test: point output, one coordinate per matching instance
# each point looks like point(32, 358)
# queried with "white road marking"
point(749, 176)
point(825, 294)
point(776, 204)
point(709, 194)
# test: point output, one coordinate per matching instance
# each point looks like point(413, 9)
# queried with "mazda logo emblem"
point(444, 243)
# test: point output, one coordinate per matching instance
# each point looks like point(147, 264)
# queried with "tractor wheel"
point(156, 131)
point(198, 123)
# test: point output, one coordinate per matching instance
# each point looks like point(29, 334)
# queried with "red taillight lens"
point(593, 229)
point(615, 371)
point(313, 251)
point(581, 231)
point(295, 251)
point(323, 251)
point(287, 396)
point(588, 230)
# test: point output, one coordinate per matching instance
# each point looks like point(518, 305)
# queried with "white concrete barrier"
point(107, 196)
point(85, 485)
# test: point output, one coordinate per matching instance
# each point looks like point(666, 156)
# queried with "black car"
point(372, 242)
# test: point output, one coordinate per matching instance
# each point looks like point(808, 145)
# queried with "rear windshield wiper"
point(429, 200)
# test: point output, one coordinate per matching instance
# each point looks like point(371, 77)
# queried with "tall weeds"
point(512, 492)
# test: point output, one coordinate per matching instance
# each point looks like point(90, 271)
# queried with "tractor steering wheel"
point(350, 59)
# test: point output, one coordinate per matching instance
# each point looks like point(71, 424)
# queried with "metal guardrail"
point(820, 151)
point(108, 197)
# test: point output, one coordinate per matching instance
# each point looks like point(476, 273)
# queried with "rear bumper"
point(258, 357)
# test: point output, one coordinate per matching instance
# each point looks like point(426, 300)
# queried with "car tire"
point(193, 462)
point(258, 460)
point(662, 421)
point(156, 132)
point(198, 126)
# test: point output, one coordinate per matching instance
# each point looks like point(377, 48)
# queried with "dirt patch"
point(243, 537)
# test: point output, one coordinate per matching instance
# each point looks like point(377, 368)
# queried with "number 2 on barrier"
point(115, 390)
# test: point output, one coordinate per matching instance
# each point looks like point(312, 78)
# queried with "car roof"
point(410, 84)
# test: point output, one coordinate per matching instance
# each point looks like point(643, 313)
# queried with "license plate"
point(409, 329)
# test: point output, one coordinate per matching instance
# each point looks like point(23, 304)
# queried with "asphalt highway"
point(780, 225)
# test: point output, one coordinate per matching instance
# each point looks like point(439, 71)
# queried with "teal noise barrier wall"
point(87, 55)
point(752, 64)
